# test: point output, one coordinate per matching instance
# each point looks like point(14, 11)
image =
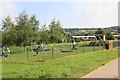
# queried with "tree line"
point(26, 30)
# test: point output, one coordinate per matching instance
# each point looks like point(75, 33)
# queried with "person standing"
point(42, 45)
point(3, 51)
point(8, 51)
point(74, 44)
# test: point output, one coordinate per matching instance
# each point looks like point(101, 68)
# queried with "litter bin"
point(107, 46)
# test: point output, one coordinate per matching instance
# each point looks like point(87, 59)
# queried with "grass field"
point(18, 53)
point(64, 65)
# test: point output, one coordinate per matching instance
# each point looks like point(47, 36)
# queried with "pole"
point(27, 53)
point(43, 57)
point(94, 47)
point(83, 48)
point(103, 41)
point(52, 53)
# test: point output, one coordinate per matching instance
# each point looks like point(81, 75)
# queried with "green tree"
point(99, 33)
point(57, 33)
point(109, 36)
point(22, 32)
point(44, 33)
point(34, 26)
point(7, 24)
point(22, 28)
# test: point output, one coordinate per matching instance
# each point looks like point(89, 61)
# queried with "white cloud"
point(7, 7)
point(95, 14)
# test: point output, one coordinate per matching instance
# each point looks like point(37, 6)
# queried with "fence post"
point(110, 44)
point(52, 53)
point(43, 56)
point(94, 47)
point(83, 48)
point(27, 53)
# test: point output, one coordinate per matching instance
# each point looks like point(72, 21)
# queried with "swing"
point(46, 49)
point(37, 49)
point(67, 50)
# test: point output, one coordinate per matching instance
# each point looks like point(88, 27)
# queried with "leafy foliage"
point(57, 34)
point(25, 30)
point(109, 36)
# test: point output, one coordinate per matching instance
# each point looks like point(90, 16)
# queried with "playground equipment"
point(39, 48)
point(67, 50)
point(46, 49)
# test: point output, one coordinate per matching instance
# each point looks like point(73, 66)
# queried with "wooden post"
point(110, 45)
point(103, 45)
point(94, 47)
point(52, 53)
point(27, 53)
point(43, 57)
point(83, 48)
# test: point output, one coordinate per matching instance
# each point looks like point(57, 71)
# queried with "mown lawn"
point(19, 54)
point(72, 66)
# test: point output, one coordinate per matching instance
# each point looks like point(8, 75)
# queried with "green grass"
point(71, 65)
point(18, 53)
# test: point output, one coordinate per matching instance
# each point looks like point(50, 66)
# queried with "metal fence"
point(54, 52)
point(116, 44)
point(22, 54)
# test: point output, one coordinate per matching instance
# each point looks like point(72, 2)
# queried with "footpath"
point(110, 70)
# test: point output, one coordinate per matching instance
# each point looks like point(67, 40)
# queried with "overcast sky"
point(71, 13)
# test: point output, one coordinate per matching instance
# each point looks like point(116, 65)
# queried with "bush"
point(95, 43)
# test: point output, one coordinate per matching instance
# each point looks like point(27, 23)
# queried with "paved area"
point(110, 70)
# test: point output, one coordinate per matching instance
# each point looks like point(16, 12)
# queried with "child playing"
point(3, 51)
point(8, 51)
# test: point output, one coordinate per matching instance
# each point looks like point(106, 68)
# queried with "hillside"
point(91, 31)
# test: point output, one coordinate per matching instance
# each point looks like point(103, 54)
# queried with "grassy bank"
point(73, 66)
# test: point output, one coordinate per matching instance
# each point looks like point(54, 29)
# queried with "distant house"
point(116, 36)
point(85, 38)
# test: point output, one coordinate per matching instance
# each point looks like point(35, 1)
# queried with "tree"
point(57, 34)
point(44, 33)
point(34, 24)
point(22, 29)
point(25, 30)
point(22, 32)
point(7, 24)
point(99, 33)
point(109, 36)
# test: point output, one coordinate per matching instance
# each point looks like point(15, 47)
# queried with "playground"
point(51, 51)
point(54, 63)
point(54, 40)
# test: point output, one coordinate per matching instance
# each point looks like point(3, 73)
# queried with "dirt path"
point(110, 70)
